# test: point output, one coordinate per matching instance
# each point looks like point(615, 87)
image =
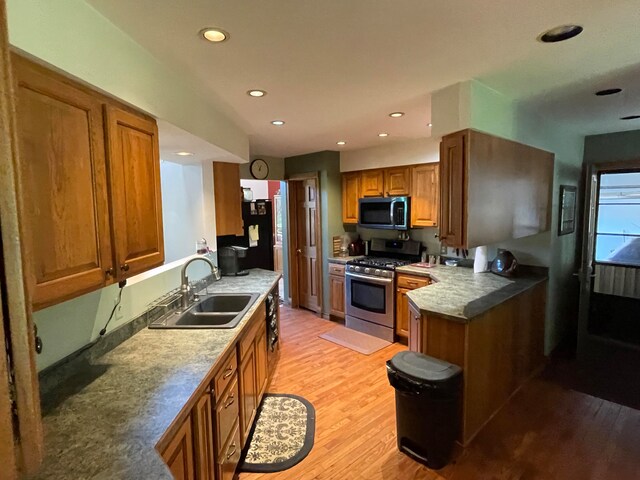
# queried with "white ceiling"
point(334, 69)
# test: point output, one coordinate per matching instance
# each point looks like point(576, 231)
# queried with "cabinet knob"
point(299, 251)
point(109, 272)
point(125, 267)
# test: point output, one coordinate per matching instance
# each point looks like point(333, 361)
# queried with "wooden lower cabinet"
point(179, 454)
point(336, 296)
point(203, 438)
point(497, 350)
point(208, 444)
point(406, 283)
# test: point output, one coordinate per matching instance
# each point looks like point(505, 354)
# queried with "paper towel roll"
point(481, 262)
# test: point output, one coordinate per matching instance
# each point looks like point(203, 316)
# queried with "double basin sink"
point(218, 310)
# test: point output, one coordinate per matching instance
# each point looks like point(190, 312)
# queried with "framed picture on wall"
point(567, 217)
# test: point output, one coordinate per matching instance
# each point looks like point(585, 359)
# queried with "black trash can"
point(428, 393)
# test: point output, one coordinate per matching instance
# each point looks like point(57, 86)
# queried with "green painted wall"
point(76, 39)
point(612, 147)
point(328, 164)
point(474, 105)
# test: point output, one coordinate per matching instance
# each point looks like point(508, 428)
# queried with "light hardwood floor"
point(545, 432)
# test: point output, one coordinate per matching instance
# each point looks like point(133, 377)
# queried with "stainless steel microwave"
point(390, 213)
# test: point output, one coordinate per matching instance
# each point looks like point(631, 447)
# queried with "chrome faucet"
point(185, 289)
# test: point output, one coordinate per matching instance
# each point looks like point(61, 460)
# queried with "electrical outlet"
point(443, 249)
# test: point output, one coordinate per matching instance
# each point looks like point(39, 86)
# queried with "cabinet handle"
point(229, 372)
point(124, 267)
point(109, 272)
point(231, 398)
point(232, 453)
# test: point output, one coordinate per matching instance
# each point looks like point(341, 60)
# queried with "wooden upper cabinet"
point(372, 183)
point(350, 196)
point(63, 186)
point(228, 198)
point(453, 193)
point(425, 195)
point(492, 189)
point(397, 181)
point(136, 201)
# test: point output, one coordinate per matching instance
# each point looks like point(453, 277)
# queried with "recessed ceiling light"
point(558, 34)
point(213, 34)
point(630, 117)
point(608, 91)
point(429, 124)
point(184, 154)
point(396, 114)
point(277, 123)
point(383, 134)
point(341, 142)
point(256, 93)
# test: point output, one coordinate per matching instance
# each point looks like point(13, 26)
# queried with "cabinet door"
point(397, 181)
point(416, 329)
point(64, 186)
point(350, 196)
point(402, 313)
point(248, 393)
point(203, 438)
point(336, 295)
point(228, 198)
point(179, 454)
point(261, 363)
point(136, 202)
point(425, 195)
point(452, 189)
point(372, 183)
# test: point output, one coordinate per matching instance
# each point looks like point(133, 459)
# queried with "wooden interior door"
point(452, 185)
point(307, 235)
point(66, 213)
point(136, 201)
point(21, 439)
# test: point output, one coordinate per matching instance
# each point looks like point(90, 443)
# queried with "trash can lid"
point(423, 368)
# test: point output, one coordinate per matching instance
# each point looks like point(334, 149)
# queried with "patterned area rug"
point(282, 436)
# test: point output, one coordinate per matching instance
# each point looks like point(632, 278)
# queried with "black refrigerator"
point(257, 213)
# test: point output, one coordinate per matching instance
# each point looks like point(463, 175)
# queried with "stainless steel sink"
point(218, 310)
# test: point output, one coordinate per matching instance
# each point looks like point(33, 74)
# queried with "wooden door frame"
point(292, 240)
point(15, 299)
point(588, 344)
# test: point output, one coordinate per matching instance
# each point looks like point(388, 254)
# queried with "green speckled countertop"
point(459, 294)
point(104, 422)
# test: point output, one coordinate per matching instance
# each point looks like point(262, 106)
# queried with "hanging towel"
point(254, 236)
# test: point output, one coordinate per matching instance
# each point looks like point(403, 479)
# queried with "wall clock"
point(259, 169)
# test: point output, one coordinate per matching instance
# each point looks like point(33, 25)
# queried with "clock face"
point(259, 169)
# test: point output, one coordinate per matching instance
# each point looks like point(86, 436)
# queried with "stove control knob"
point(357, 269)
point(367, 270)
point(378, 272)
point(350, 268)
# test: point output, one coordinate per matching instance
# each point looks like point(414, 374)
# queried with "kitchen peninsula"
point(491, 326)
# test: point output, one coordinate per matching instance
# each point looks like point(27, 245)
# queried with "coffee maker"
point(230, 261)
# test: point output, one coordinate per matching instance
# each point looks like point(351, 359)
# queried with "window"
point(618, 227)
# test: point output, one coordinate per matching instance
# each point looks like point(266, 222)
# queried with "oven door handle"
point(377, 280)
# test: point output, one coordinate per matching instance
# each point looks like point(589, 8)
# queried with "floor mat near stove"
point(357, 341)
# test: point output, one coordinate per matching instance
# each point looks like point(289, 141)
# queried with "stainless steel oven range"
point(370, 286)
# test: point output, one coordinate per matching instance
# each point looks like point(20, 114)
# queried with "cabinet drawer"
point(336, 269)
point(411, 283)
point(226, 374)
point(227, 408)
point(229, 459)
